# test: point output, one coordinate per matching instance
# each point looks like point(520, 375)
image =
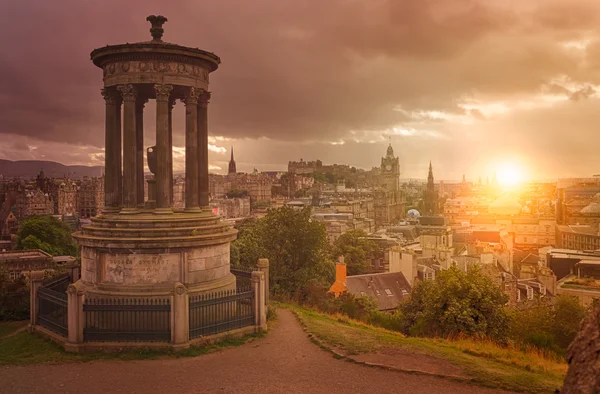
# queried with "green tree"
point(356, 249)
point(547, 323)
point(456, 302)
point(295, 245)
point(48, 234)
point(247, 248)
point(297, 249)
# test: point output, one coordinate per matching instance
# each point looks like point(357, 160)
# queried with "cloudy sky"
point(471, 85)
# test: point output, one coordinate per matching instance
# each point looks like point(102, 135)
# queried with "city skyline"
point(475, 88)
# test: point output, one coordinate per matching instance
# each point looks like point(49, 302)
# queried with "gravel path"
point(285, 361)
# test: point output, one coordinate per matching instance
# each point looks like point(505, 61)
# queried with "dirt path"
point(285, 361)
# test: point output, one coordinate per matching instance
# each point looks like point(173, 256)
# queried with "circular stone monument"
point(142, 246)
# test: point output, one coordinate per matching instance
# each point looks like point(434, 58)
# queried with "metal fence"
point(53, 311)
point(221, 311)
point(127, 320)
point(58, 283)
point(242, 276)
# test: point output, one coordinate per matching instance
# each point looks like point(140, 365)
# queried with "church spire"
point(232, 167)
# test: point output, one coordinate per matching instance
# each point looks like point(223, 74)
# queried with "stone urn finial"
point(156, 30)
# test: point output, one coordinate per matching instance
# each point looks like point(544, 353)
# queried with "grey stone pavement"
point(284, 361)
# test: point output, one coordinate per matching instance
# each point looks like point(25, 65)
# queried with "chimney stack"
point(340, 270)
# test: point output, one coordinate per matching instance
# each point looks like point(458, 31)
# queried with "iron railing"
point(243, 277)
point(53, 310)
point(221, 311)
point(127, 320)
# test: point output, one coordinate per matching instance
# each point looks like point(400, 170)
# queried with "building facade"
point(90, 197)
point(67, 198)
point(232, 208)
point(39, 203)
point(577, 237)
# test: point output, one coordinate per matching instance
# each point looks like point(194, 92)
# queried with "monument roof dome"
point(152, 51)
point(594, 206)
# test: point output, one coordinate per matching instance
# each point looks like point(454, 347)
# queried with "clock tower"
point(390, 171)
point(388, 198)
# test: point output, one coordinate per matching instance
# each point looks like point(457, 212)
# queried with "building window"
point(524, 239)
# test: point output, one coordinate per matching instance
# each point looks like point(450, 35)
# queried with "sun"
point(509, 174)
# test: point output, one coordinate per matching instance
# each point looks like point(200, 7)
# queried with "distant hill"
point(31, 168)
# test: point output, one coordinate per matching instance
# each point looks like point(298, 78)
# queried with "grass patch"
point(26, 348)
point(7, 328)
point(486, 363)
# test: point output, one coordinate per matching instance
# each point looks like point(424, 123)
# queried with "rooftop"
point(23, 255)
point(388, 289)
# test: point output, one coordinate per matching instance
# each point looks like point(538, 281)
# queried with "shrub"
point(271, 313)
point(456, 303)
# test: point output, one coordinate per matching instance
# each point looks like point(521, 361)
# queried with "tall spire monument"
point(431, 197)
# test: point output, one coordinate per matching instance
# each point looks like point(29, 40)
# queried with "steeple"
point(232, 168)
point(390, 151)
point(431, 197)
point(430, 175)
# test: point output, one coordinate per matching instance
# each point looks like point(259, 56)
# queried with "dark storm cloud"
point(302, 71)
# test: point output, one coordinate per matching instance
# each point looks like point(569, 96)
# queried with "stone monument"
point(144, 248)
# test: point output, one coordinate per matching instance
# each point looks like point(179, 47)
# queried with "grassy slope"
point(486, 363)
point(7, 328)
point(25, 348)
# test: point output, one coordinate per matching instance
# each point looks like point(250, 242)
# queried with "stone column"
point(191, 151)
point(260, 310)
point(139, 143)
point(180, 323)
point(263, 266)
point(74, 270)
point(35, 278)
point(170, 161)
point(76, 318)
point(129, 94)
point(163, 199)
point(119, 155)
point(203, 149)
point(112, 151)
